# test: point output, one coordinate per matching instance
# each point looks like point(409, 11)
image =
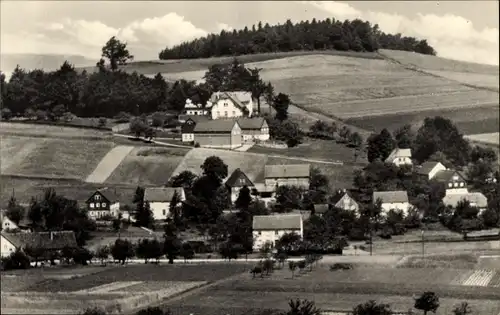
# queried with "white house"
point(159, 199)
point(187, 128)
point(194, 109)
point(270, 228)
point(8, 245)
point(231, 104)
point(103, 203)
point(8, 224)
point(237, 180)
point(255, 128)
point(475, 199)
point(429, 169)
point(399, 157)
point(392, 200)
point(287, 175)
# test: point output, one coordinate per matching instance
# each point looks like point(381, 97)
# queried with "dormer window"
point(97, 197)
point(455, 177)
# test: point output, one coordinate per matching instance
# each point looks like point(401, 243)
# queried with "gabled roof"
point(195, 118)
point(338, 195)
point(108, 194)
point(321, 208)
point(427, 167)
point(399, 153)
point(215, 126)
point(254, 123)
point(447, 175)
point(238, 179)
point(390, 196)
point(161, 194)
point(46, 240)
point(239, 98)
point(263, 188)
point(476, 198)
point(190, 105)
point(277, 222)
point(287, 171)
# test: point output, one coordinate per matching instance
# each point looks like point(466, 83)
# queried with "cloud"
point(452, 36)
point(224, 26)
point(85, 37)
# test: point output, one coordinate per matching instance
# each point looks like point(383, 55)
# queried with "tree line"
point(329, 34)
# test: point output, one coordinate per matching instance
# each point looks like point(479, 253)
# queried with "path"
point(19, 156)
point(244, 148)
point(154, 141)
point(108, 164)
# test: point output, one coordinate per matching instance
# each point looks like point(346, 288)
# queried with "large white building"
point(399, 157)
point(231, 104)
point(159, 199)
point(393, 200)
point(270, 228)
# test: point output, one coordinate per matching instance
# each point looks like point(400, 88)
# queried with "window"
point(234, 113)
point(104, 204)
point(97, 205)
point(455, 177)
point(242, 181)
point(97, 197)
point(450, 184)
point(164, 212)
point(226, 104)
point(92, 205)
point(225, 113)
point(260, 233)
point(455, 184)
point(276, 232)
point(461, 184)
point(218, 114)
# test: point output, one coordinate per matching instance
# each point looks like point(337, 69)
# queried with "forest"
point(328, 34)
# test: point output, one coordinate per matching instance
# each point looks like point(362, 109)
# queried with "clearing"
point(147, 166)
point(109, 163)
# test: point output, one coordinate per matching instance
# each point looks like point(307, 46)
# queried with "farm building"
point(392, 200)
point(343, 200)
point(187, 128)
point(195, 109)
point(255, 128)
point(225, 134)
point(399, 157)
point(237, 180)
point(231, 104)
point(103, 203)
point(47, 241)
point(159, 199)
point(453, 181)
point(287, 175)
point(264, 193)
point(429, 169)
point(270, 228)
point(475, 199)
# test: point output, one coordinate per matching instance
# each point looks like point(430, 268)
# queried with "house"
point(264, 193)
point(48, 241)
point(191, 108)
point(429, 169)
point(343, 200)
point(103, 203)
point(399, 157)
point(255, 128)
point(225, 134)
point(287, 175)
point(231, 104)
point(476, 199)
point(187, 128)
point(159, 199)
point(392, 200)
point(321, 208)
point(237, 180)
point(8, 224)
point(270, 228)
point(454, 182)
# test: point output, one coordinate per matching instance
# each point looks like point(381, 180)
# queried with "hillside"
point(368, 90)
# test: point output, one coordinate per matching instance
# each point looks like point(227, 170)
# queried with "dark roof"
point(238, 179)
point(161, 194)
point(254, 123)
point(321, 208)
point(195, 118)
point(287, 171)
point(215, 126)
point(426, 167)
point(277, 222)
point(446, 175)
point(395, 196)
point(106, 193)
point(46, 240)
point(337, 196)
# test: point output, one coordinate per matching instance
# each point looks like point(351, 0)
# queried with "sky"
point(461, 30)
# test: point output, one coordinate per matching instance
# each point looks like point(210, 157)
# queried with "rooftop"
point(238, 179)
point(277, 222)
point(427, 167)
point(390, 196)
point(46, 240)
point(251, 123)
point(476, 199)
point(287, 171)
point(215, 126)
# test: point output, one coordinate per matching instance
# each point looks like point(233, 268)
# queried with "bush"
point(16, 260)
point(341, 266)
point(94, 311)
point(196, 145)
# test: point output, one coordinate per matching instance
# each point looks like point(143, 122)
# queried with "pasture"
point(486, 138)
point(48, 131)
point(147, 166)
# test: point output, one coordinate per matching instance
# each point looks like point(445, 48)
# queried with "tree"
point(6, 113)
point(103, 253)
point(137, 127)
point(149, 249)
point(154, 311)
point(302, 307)
point(57, 112)
point(122, 250)
point(344, 134)
point(215, 168)
point(171, 243)
point(379, 146)
point(427, 302)
point(462, 309)
point(158, 119)
point(244, 199)
point(355, 140)
point(292, 266)
point(372, 308)
point(94, 311)
point(116, 52)
point(404, 137)
point(288, 198)
point(187, 251)
point(281, 103)
point(174, 209)
point(15, 211)
point(183, 179)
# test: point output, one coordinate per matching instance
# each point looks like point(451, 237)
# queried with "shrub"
point(16, 260)
point(196, 145)
point(341, 266)
point(94, 311)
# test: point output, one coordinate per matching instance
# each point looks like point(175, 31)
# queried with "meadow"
point(487, 138)
point(147, 166)
point(48, 131)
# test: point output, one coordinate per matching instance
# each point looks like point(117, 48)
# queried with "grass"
point(147, 166)
point(62, 158)
point(208, 272)
point(490, 263)
point(487, 138)
point(327, 150)
point(432, 248)
point(454, 261)
point(480, 120)
point(47, 131)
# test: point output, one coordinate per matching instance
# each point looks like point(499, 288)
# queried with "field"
point(47, 131)
point(147, 166)
point(487, 138)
